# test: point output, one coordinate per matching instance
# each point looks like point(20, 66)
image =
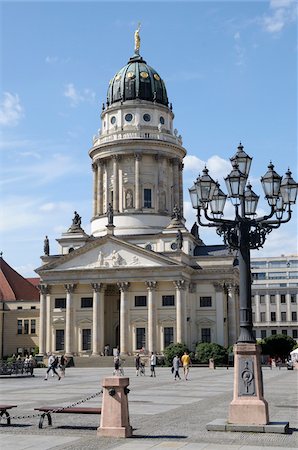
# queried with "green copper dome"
point(137, 80)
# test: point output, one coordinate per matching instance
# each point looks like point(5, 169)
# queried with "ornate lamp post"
point(245, 232)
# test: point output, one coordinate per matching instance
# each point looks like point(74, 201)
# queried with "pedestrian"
point(107, 350)
point(176, 366)
point(117, 369)
point(62, 365)
point(185, 359)
point(152, 364)
point(52, 366)
point(138, 364)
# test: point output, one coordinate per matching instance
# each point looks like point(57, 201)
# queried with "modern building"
point(19, 312)
point(275, 296)
point(140, 279)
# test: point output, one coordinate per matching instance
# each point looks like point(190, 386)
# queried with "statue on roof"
point(179, 240)
point(77, 220)
point(110, 214)
point(137, 39)
point(176, 213)
point(46, 246)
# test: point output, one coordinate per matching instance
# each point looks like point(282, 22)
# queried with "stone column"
point(97, 319)
point(49, 324)
point(267, 308)
point(99, 188)
point(115, 184)
point(278, 316)
point(151, 285)
point(180, 166)
point(179, 285)
point(192, 335)
point(257, 308)
point(176, 195)
point(43, 289)
point(69, 326)
point(123, 286)
point(219, 306)
point(138, 158)
point(95, 193)
point(288, 303)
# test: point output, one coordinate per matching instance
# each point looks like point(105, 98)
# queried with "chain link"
point(72, 405)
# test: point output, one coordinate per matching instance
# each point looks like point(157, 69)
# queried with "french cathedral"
point(141, 279)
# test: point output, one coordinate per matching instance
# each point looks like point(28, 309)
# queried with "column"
point(176, 195)
point(115, 184)
point(191, 333)
point(68, 322)
point(43, 289)
point(151, 285)
point(123, 286)
point(49, 324)
point(137, 181)
point(219, 306)
point(179, 285)
point(277, 299)
point(267, 308)
point(97, 319)
point(257, 308)
point(94, 170)
point(180, 166)
point(288, 303)
point(99, 188)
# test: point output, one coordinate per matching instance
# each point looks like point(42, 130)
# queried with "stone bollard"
point(114, 420)
point(211, 363)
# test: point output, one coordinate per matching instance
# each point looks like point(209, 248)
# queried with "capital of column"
point(151, 285)
point(94, 167)
point(116, 158)
point(175, 161)
point(44, 289)
point(70, 288)
point(138, 156)
point(179, 284)
point(123, 286)
point(219, 286)
point(97, 287)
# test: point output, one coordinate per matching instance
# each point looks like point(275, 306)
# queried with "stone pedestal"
point(248, 405)
point(114, 420)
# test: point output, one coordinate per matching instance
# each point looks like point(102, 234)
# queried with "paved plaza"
point(164, 414)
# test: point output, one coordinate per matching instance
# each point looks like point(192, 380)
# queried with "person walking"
point(62, 365)
point(52, 366)
point(138, 364)
point(152, 364)
point(176, 366)
point(185, 359)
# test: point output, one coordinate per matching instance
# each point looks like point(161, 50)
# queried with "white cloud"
point(76, 97)
point(283, 12)
point(51, 59)
point(217, 166)
point(11, 110)
point(239, 50)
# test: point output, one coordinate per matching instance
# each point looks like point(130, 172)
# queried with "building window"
point(147, 198)
point(262, 317)
point(263, 334)
point(205, 302)
point(140, 300)
point(60, 303)
point(273, 332)
point(168, 300)
point(33, 326)
point(140, 338)
point(283, 298)
point(19, 307)
point(262, 299)
point(20, 326)
point(293, 298)
point(168, 333)
point(206, 335)
point(33, 307)
point(26, 326)
point(294, 316)
point(273, 317)
point(272, 299)
point(285, 332)
point(259, 276)
point(59, 340)
point(283, 316)
point(295, 334)
point(86, 302)
point(86, 334)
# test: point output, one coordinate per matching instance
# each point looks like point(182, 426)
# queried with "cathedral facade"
point(140, 280)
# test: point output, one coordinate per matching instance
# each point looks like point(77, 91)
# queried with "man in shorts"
point(185, 359)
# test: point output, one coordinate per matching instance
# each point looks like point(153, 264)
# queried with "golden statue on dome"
point(137, 40)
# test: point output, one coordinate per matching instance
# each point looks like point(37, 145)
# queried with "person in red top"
point(185, 359)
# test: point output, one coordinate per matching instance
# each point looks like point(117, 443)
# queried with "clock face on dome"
point(157, 77)
point(144, 74)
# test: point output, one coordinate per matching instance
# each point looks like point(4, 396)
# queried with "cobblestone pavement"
point(164, 414)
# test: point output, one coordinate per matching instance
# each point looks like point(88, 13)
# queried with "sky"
point(230, 69)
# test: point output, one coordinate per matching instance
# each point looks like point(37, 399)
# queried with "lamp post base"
point(248, 405)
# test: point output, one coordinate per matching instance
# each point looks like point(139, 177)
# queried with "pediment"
point(108, 253)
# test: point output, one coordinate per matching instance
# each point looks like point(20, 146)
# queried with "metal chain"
point(32, 416)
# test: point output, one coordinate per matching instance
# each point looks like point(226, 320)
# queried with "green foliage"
point(172, 350)
point(35, 351)
point(278, 345)
point(205, 351)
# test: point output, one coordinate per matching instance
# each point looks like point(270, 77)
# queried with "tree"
point(172, 350)
point(205, 351)
point(278, 345)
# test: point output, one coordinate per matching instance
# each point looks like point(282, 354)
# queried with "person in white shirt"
point(152, 364)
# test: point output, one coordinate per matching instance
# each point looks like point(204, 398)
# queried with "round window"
point(162, 120)
point(148, 247)
point(128, 117)
point(113, 119)
point(147, 117)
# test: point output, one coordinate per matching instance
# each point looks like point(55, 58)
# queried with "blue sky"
point(230, 70)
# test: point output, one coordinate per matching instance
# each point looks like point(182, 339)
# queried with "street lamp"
point(245, 232)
